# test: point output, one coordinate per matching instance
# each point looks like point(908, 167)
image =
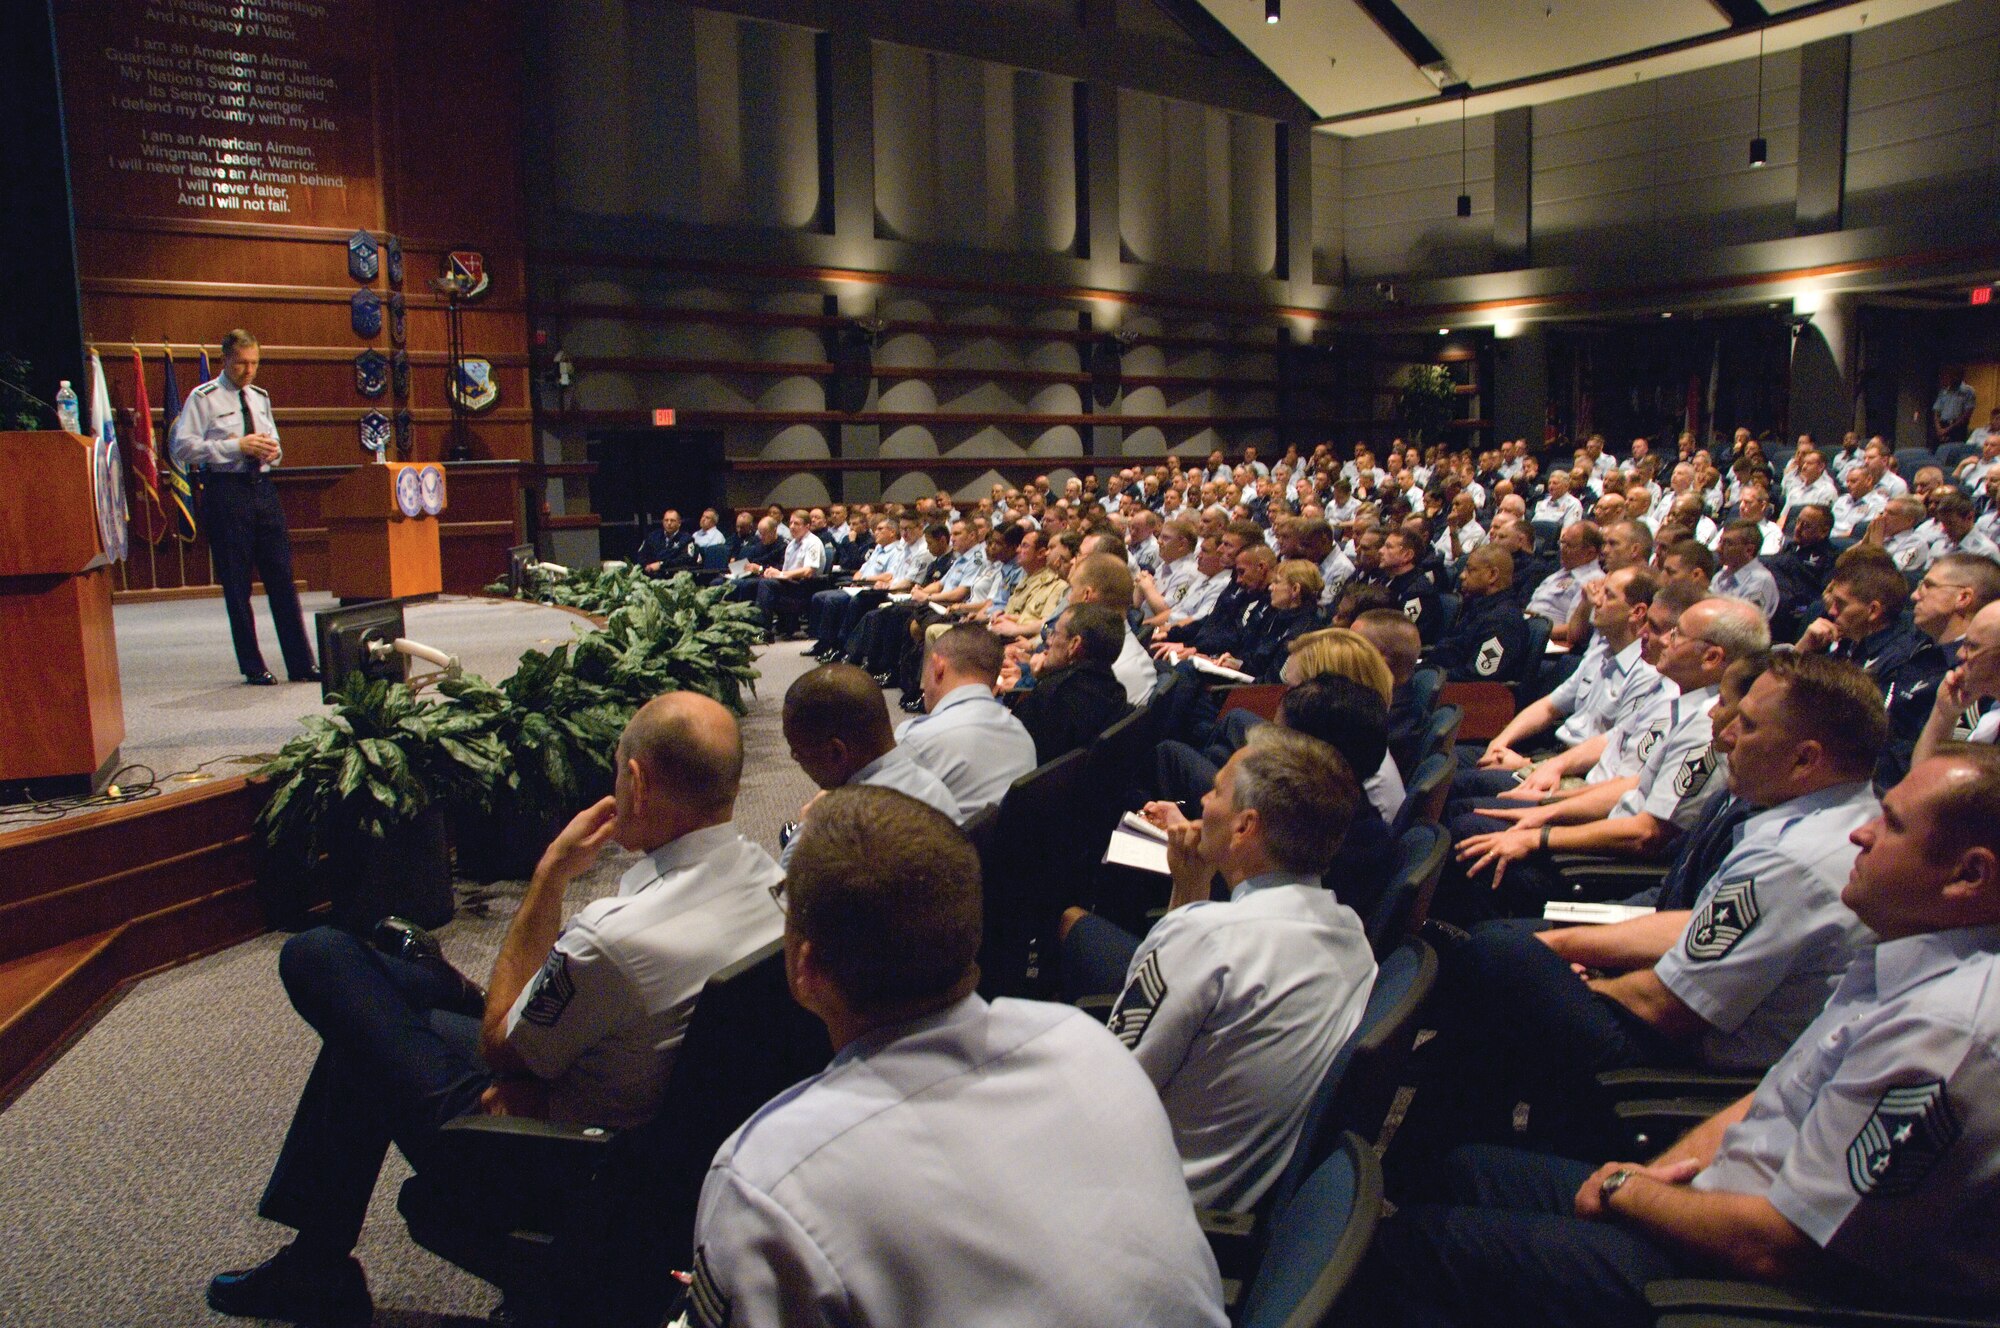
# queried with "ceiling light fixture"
point(1270, 11)
point(1464, 197)
point(1760, 151)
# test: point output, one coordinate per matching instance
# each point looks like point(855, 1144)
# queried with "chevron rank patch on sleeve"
point(1141, 997)
point(1724, 920)
point(1902, 1140)
point(554, 988)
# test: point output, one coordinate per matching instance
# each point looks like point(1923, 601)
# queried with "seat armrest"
point(1758, 1302)
point(1596, 879)
point(1648, 1126)
point(1235, 1239)
point(1675, 1081)
point(539, 1154)
point(1098, 1006)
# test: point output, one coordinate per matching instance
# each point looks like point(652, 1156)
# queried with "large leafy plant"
point(673, 636)
point(1428, 402)
point(659, 635)
point(382, 758)
point(558, 731)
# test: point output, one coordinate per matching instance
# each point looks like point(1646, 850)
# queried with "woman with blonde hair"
point(1348, 654)
point(1340, 650)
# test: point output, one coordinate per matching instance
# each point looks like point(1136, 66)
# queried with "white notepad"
point(1586, 914)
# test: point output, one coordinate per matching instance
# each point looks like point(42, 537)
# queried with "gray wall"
point(1059, 171)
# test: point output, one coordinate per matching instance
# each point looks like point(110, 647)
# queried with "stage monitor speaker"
point(346, 638)
point(519, 579)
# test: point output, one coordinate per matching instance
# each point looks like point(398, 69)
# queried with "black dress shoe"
point(309, 675)
point(287, 1286)
point(261, 678)
point(406, 940)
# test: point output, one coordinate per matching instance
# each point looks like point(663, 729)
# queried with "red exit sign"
point(1982, 295)
point(663, 419)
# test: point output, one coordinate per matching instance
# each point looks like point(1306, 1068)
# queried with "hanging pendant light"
point(1760, 151)
point(1464, 195)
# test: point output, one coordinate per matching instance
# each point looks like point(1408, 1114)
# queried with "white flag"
point(112, 514)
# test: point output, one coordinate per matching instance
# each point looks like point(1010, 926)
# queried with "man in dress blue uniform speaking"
point(228, 438)
point(959, 1162)
point(1868, 1158)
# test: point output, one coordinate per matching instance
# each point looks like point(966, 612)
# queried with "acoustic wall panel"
point(1399, 201)
point(1923, 135)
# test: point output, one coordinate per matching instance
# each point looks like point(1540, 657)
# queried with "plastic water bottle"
point(66, 411)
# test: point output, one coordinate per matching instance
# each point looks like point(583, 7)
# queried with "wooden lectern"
point(383, 531)
point(62, 714)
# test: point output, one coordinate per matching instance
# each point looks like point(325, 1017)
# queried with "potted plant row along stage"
point(361, 801)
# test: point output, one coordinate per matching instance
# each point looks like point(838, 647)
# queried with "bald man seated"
point(580, 1024)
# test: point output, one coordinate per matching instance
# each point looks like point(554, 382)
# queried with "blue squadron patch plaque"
point(409, 492)
point(363, 258)
point(1909, 1131)
point(1724, 920)
point(374, 432)
point(474, 386)
point(371, 373)
point(433, 488)
point(364, 313)
point(392, 252)
point(398, 325)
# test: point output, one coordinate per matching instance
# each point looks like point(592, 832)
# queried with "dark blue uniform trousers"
point(1515, 1023)
point(1504, 1248)
point(1095, 957)
point(393, 1067)
point(247, 535)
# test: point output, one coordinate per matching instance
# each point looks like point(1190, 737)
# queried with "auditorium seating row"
point(582, 1226)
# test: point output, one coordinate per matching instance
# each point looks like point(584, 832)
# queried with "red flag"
point(149, 518)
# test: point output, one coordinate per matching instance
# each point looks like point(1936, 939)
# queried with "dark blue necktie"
point(250, 463)
point(1702, 851)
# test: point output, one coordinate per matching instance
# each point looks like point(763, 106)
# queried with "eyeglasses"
point(779, 897)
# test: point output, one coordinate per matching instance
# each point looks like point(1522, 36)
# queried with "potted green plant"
point(559, 735)
point(673, 635)
point(356, 811)
point(1428, 402)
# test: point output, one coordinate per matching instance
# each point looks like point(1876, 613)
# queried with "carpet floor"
point(130, 1172)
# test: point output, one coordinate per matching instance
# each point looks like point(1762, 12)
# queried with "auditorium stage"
point(190, 719)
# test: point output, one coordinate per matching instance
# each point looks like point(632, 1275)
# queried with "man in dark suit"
point(668, 549)
point(1076, 696)
point(1487, 641)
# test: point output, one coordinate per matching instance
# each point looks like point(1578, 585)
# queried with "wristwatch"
point(1614, 1183)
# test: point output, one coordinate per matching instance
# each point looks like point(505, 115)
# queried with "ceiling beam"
point(1741, 13)
point(1396, 26)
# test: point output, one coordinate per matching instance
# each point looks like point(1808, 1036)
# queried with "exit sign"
point(1982, 295)
point(663, 419)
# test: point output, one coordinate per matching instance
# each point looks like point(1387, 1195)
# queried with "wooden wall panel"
point(422, 131)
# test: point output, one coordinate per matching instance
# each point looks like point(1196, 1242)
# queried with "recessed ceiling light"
point(1444, 331)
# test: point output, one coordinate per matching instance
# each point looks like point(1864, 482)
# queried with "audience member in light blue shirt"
point(969, 740)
